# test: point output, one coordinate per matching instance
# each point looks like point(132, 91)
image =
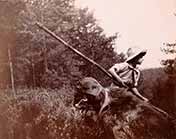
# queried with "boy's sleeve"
point(119, 67)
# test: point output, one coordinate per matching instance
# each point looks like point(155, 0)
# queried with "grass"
point(41, 113)
point(49, 114)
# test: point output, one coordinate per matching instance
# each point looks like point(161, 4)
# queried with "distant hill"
point(159, 88)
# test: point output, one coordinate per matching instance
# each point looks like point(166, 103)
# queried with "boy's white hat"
point(135, 51)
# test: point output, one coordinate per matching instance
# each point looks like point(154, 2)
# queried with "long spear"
point(94, 63)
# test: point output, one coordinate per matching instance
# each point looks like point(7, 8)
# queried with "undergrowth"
point(43, 114)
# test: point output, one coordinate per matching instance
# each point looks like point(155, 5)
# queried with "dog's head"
point(89, 95)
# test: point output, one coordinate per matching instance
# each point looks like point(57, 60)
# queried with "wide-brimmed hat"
point(134, 52)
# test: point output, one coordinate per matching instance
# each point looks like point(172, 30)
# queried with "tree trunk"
point(44, 38)
point(11, 71)
point(33, 73)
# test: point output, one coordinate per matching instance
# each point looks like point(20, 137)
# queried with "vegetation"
point(45, 73)
point(170, 63)
point(43, 114)
point(49, 114)
point(38, 59)
point(160, 90)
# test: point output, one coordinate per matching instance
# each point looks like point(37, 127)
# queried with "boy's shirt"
point(127, 73)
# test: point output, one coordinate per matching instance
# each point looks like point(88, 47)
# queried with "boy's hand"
point(129, 83)
point(145, 99)
point(124, 84)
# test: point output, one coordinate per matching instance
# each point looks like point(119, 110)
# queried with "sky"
point(143, 23)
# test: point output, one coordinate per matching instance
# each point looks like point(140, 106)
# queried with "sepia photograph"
point(87, 69)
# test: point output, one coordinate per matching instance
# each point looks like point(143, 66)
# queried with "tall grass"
point(49, 114)
point(42, 114)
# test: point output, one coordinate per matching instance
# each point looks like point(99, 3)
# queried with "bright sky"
point(145, 23)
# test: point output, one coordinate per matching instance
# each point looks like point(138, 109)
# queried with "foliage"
point(48, 114)
point(44, 114)
point(170, 63)
point(38, 59)
point(159, 88)
point(8, 34)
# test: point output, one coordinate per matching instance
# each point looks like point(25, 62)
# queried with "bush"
point(45, 114)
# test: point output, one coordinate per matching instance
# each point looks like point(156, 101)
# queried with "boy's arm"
point(116, 76)
point(136, 92)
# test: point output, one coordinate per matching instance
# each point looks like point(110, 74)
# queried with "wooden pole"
point(11, 71)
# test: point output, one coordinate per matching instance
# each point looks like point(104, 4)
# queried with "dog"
point(91, 95)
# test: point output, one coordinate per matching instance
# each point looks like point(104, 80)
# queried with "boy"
point(126, 74)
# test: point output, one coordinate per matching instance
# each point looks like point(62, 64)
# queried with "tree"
point(41, 61)
point(8, 36)
point(170, 63)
